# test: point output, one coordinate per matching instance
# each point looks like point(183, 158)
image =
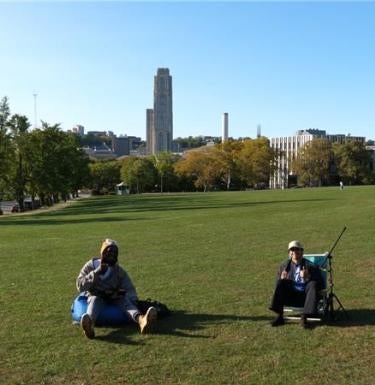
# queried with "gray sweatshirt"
point(113, 283)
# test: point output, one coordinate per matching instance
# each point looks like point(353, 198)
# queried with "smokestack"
point(224, 135)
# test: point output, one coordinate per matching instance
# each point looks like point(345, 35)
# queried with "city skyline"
point(284, 66)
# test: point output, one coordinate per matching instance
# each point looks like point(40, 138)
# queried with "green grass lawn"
point(212, 258)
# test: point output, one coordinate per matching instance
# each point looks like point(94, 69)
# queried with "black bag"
point(161, 309)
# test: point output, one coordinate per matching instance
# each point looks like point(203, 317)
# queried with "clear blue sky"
point(285, 66)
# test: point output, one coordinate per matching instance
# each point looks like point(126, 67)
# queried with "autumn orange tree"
point(202, 165)
point(256, 161)
point(227, 154)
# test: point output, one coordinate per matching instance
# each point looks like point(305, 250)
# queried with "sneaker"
point(87, 326)
point(146, 321)
point(278, 321)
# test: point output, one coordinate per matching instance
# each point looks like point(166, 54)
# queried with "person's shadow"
point(348, 318)
point(180, 324)
point(184, 324)
point(120, 335)
point(353, 317)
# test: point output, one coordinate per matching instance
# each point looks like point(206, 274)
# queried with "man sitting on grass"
point(106, 281)
point(298, 282)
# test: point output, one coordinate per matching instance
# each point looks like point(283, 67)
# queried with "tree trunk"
point(228, 181)
point(21, 204)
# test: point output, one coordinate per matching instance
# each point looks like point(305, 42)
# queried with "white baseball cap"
point(296, 244)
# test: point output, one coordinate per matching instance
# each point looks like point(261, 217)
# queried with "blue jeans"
point(95, 304)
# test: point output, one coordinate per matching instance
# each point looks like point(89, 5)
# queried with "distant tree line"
point(192, 142)
point(49, 164)
point(233, 165)
point(46, 163)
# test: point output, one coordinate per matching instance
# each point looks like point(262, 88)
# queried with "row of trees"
point(235, 164)
point(232, 165)
point(45, 163)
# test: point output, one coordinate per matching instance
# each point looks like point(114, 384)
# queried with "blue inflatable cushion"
point(110, 315)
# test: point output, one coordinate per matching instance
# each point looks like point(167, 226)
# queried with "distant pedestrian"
point(341, 185)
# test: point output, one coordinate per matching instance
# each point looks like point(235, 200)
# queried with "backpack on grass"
point(161, 309)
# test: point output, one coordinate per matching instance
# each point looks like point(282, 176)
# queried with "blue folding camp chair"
point(327, 298)
point(326, 303)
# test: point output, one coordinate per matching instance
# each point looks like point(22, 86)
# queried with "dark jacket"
point(313, 271)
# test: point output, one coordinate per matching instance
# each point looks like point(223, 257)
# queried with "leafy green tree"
point(52, 167)
point(5, 160)
point(5, 145)
point(53, 159)
point(312, 164)
point(164, 165)
point(18, 126)
point(73, 169)
point(80, 173)
point(4, 114)
point(46, 162)
point(256, 161)
point(104, 175)
point(138, 173)
point(353, 162)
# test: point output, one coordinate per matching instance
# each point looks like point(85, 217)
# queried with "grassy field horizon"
point(212, 258)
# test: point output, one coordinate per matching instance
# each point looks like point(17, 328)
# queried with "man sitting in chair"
point(298, 284)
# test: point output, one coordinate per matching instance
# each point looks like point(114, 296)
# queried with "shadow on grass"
point(48, 222)
point(356, 317)
point(141, 203)
point(183, 324)
point(120, 336)
point(94, 208)
point(179, 324)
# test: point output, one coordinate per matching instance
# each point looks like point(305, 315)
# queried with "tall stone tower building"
point(149, 129)
point(159, 121)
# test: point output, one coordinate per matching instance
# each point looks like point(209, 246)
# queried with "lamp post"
point(35, 118)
